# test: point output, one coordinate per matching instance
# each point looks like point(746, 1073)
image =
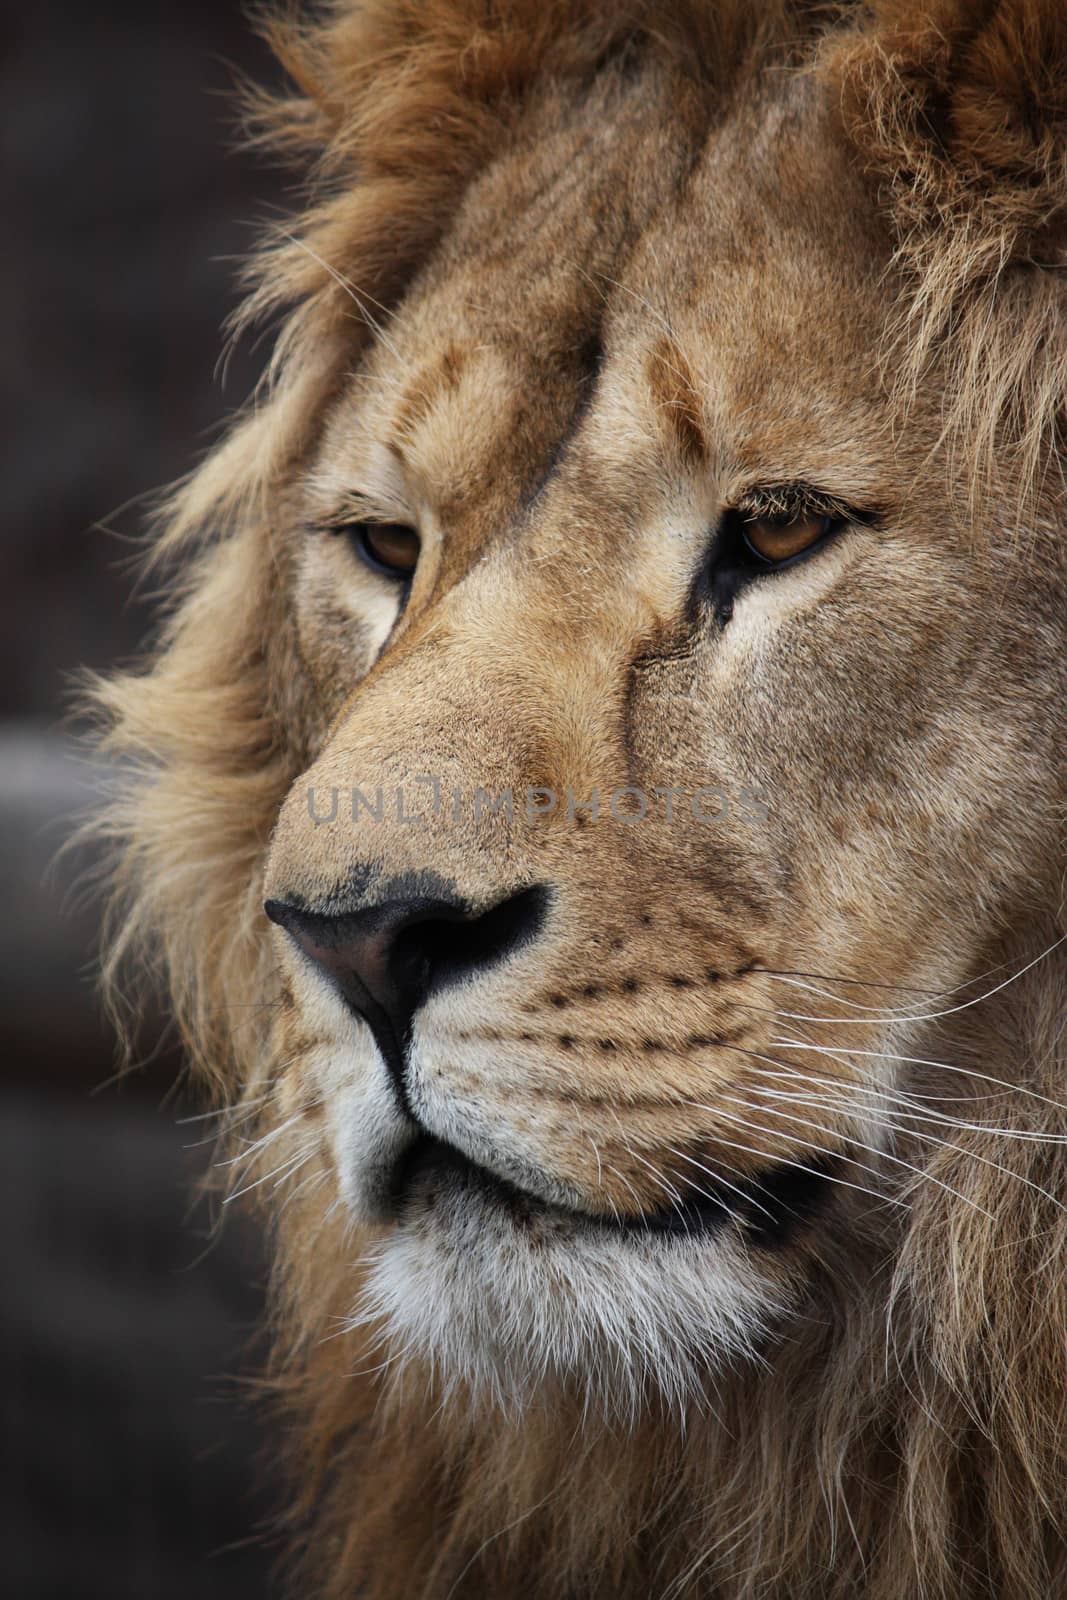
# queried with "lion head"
point(597, 800)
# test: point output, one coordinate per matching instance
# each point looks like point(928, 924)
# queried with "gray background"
point(133, 1465)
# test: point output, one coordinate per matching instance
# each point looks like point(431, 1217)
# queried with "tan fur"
point(572, 280)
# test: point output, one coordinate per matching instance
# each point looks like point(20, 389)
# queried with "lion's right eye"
point(778, 540)
point(386, 547)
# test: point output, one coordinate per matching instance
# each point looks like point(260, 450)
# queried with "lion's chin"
point(497, 1292)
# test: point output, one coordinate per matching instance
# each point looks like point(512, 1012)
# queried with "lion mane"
point(905, 1434)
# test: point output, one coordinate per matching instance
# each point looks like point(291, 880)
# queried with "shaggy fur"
point(572, 280)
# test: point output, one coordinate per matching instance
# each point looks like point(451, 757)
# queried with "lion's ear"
point(1006, 112)
point(958, 110)
point(962, 106)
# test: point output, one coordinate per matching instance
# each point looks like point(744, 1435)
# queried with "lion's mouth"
point(771, 1206)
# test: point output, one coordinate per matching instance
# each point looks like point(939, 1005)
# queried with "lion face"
point(597, 802)
point(682, 754)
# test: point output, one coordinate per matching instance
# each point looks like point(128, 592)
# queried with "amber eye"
point(775, 540)
point(387, 547)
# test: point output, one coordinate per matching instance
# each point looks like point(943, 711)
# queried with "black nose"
point(387, 959)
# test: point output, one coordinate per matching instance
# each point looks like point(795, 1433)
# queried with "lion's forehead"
point(603, 289)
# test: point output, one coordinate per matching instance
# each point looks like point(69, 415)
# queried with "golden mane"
point(959, 111)
point(918, 1467)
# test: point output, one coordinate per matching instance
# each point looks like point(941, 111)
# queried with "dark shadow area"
point(133, 1457)
point(130, 1453)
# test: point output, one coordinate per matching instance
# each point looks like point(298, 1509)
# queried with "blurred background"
point(133, 1462)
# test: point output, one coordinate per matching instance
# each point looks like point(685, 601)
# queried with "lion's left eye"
point(387, 547)
point(775, 540)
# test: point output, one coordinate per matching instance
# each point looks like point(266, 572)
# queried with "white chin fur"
point(503, 1310)
point(507, 1309)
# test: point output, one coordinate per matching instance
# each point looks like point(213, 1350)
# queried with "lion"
point(596, 800)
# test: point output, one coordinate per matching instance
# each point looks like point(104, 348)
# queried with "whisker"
point(824, 1103)
point(845, 1052)
point(706, 1194)
point(622, 1177)
point(862, 983)
point(926, 1113)
point(871, 983)
point(931, 1016)
point(296, 1160)
point(799, 1166)
point(661, 1181)
point(599, 1169)
point(256, 1147)
point(294, 1168)
point(871, 1149)
point(312, 1181)
point(717, 1178)
point(223, 1111)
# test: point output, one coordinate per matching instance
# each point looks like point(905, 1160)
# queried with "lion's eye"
point(751, 543)
point(776, 540)
point(386, 547)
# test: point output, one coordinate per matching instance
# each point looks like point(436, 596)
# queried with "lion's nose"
point(387, 959)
